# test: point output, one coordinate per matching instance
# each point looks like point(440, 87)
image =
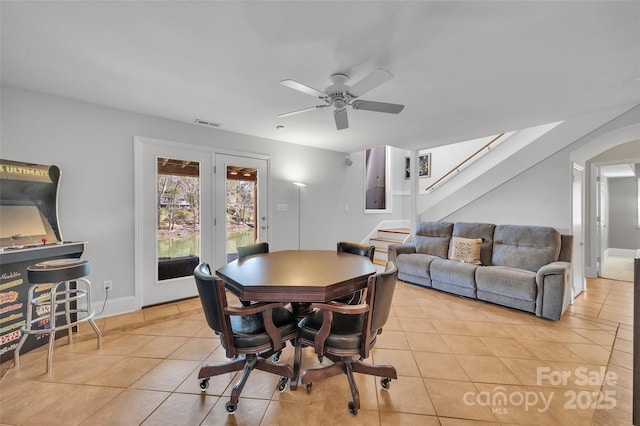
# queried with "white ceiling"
point(463, 70)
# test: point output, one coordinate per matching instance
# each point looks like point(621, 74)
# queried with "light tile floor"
point(459, 361)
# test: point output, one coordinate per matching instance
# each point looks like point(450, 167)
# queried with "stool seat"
point(57, 270)
point(60, 284)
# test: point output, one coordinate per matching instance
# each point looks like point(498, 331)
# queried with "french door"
point(241, 204)
point(174, 220)
point(187, 214)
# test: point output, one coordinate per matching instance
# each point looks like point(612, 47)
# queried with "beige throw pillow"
point(465, 249)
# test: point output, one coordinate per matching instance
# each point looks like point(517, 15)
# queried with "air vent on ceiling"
point(206, 123)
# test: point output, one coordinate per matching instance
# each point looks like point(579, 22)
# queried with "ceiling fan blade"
point(303, 88)
point(377, 106)
point(287, 114)
point(340, 115)
point(370, 82)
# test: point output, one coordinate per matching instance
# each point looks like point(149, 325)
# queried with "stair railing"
point(486, 146)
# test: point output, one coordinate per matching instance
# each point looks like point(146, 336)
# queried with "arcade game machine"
point(29, 234)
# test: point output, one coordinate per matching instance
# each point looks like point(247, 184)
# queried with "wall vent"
point(206, 123)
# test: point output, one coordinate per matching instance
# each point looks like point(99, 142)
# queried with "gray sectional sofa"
point(522, 267)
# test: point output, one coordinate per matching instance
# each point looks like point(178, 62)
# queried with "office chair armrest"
point(341, 308)
point(254, 308)
point(267, 317)
point(327, 319)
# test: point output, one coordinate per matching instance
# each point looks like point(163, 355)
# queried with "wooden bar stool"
point(68, 285)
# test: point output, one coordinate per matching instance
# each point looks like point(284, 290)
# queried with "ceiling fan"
point(339, 95)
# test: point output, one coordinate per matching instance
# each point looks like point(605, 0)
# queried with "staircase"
point(383, 238)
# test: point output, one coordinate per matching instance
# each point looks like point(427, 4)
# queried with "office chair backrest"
point(251, 249)
point(209, 292)
point(355, 248)
point(383, 296)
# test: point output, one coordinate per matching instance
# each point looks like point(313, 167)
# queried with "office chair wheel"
point(385, 382)
point(204, 384)
point(276, 357)
point(230, 408)
point(320, 359)
point(352, 408)
point(282, 384)
point(309, 387)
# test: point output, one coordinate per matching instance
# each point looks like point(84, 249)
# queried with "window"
point(178, 218)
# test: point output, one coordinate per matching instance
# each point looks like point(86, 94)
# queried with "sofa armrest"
point(395, 249)
point(554, 289)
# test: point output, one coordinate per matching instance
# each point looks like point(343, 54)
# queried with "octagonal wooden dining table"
point(300, 277)
point(297, 276)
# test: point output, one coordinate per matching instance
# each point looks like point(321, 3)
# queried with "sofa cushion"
point(477, 230)
point(465, 249)
point(525, 247)
point(415, 264)
point(433, 238)
point(510, 282)
point(454, 272)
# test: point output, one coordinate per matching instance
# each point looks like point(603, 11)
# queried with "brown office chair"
point(355, 248)
point(346, 333)
point(361, 250)
point(251, 249)
point(256, 331)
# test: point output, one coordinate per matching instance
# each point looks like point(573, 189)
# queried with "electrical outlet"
point(107, 286)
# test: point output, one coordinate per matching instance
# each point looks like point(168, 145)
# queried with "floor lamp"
point(299, 185)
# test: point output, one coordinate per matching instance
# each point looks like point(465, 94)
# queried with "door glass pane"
point(241, 201)
point(178, 200)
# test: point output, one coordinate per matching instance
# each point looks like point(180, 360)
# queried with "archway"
point(622, 131)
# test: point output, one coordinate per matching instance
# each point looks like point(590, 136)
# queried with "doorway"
point(618, 222)
point(241, 204)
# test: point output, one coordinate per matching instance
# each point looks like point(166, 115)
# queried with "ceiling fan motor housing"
point(338, 92)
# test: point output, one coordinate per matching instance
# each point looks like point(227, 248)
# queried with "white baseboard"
point(620, 252)
point(113, 307)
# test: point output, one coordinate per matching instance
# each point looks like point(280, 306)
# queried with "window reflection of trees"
point(178, 202)
point(178, 208)
point(241, 202)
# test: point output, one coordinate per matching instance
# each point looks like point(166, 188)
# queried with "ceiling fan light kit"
point(339, 96)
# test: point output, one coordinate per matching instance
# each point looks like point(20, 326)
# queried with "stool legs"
point(52, 320)
point(63, 297)
point(91, 314)
point(67, 309)
point(23, 338)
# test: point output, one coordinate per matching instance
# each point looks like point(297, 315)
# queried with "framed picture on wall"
point(424, 165)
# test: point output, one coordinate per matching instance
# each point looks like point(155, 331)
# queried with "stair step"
point(381, 253)
point(405, 231)
point(385, 237)
point(386, 240)
point(383, 243)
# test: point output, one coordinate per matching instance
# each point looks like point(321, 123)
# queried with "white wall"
point(540, 196)
point(447, 157)
point(93, 146)
point(353, 225)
